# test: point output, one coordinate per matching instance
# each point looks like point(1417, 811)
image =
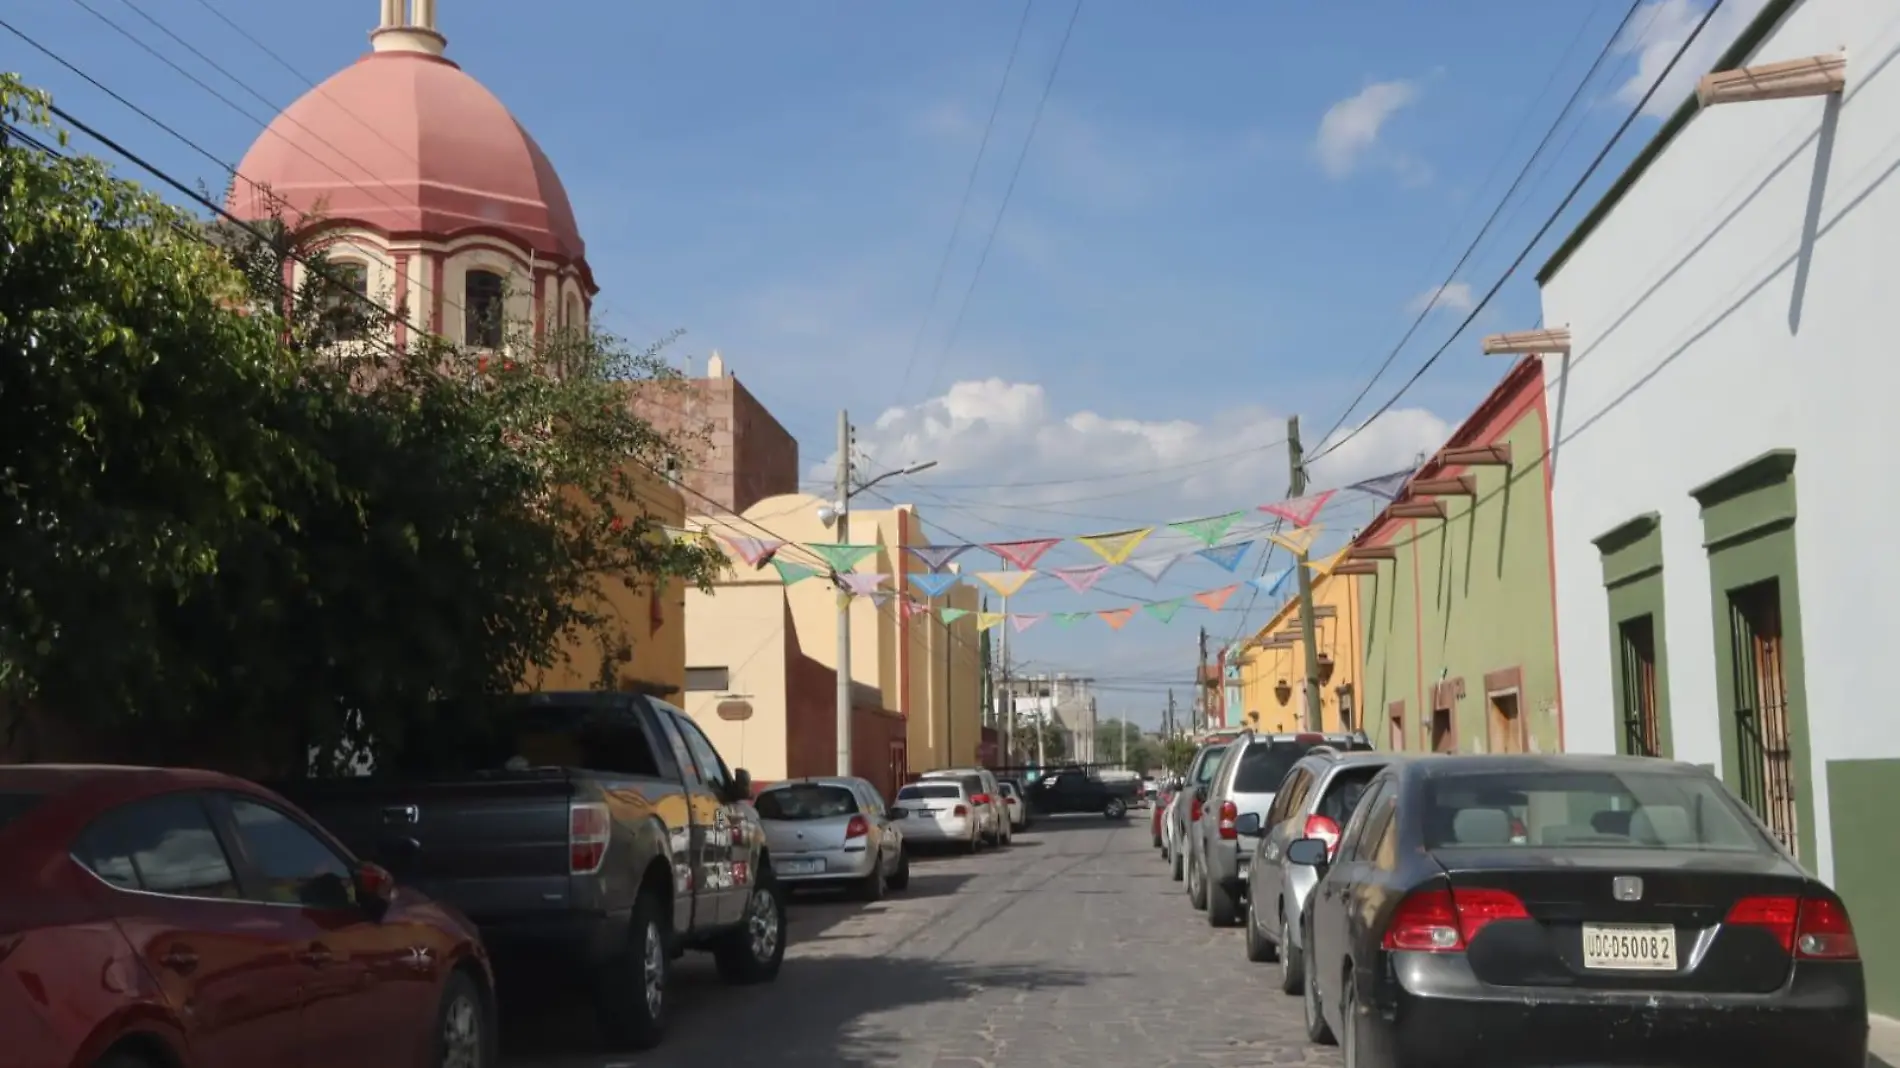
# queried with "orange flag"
point(1214, 600)
point(1116, 618)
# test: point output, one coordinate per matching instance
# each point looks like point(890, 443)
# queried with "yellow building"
point(1273, 665)
point(642, 645)
point(761, 655)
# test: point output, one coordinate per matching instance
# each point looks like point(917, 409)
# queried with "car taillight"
point(857, 828)
point(980, 799)
point(1324, 829)
point(1811, 928)
point(960, 811)
point(1445, 921)
point(589, 829)
point(1228, 814)
point(1194, 811)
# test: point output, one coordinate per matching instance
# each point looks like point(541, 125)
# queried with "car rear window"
point(1210, 760)
point(806, 801)
point(922, 791)
point(519, 735)
point(15, 805)
point(1262, 767)
point(1582, 810)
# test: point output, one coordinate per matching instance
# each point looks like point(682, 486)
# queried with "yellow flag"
point(986, 620)
point(1323, 568)
point(1297, 541)
point(1116, 546)
point(1005, 583)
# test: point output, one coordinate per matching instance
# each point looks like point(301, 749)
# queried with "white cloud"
point(1350, 128)
point(1452, 296)
point(1658, 30)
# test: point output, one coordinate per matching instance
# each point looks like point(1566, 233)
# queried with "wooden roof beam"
point(1807, 76)
point(1498, 455)
point(1452, 486)
point(1529, 343)
point(1415, 510)
point(1357, 567)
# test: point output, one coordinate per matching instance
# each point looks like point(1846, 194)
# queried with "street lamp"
point(838, 516)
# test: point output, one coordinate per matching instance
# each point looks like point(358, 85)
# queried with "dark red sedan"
point(162, 918)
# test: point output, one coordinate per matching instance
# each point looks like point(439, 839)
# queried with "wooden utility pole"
point(1171, 710)
point(1203, 708)
point(1296, 471)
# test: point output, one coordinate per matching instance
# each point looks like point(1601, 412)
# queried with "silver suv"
point(1315, 802)
point(1184, 810)
point(1246, 782)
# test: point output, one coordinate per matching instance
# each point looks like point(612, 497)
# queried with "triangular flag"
point(1023, 623)
point(1023, 554)
point(932, 583)
point(1164, 610)
point(986, 620)
point(880, 597)
point(1215, 600)
point(1080, 578)
point(1386, 486)
point(1272, 584)
point(754, 551)
point(842, 558)
point(1116, 546)
point(915, 608)
point(862, 585)
point(1005, 583)
point(1070, 619)
point(951, 615)
point(791, 572)
point(1323, 568)
point(1227, 557)
point(1208, 529)
point(1297, 541)
point(1156, 566)
point(1116, 618)
point(1299, 511)
point(937, 557)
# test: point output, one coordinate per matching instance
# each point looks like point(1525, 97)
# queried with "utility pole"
point(1296, 470)
point(1009, 696)
point(1200, 686)
point(1170, 709)
point(844, 596)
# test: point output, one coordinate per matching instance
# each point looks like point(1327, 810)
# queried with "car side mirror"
point(375, 888)
point(740, 788)
point(1248, 824)
point(1310, 852)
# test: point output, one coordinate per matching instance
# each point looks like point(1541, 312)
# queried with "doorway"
point(1442, 740)
point(1506, 726)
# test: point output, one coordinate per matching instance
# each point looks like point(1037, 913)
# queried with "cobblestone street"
point(1072, 948)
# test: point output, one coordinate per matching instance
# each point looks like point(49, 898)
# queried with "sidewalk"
point(1883, 1042)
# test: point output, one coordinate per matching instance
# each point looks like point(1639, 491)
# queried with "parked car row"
point(1517, 909)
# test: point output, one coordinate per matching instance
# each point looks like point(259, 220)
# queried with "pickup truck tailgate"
point(493, 845)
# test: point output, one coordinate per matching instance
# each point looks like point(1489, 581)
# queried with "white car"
point(986, 793)
point(1018, 808)
point(942, 811)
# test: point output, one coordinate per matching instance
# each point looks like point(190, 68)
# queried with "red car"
point(162, 918)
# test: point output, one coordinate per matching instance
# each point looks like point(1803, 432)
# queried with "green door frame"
point(1633, 580)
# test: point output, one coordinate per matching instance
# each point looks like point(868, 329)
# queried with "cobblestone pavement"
point(1071, 948)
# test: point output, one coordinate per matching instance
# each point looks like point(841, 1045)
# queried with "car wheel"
point(1349, 1026)
point(1158, 842)
point(630, 998)
point(1115, 809)
point(1196, 884)
point(464, 1033)
point(1292, 961)
point(1316, 1028)
point(753, 951)
point(900, 879)
point(1222, 909)
point(871, 887)
point(1259, 950)
point(1175, 863)
point(974, 845)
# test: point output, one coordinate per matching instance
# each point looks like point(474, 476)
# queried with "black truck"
point(1081, 788)
point(593, 837)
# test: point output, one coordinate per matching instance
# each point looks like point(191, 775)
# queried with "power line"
point(1531, 245)
point(963, 206)
point(1009, 191)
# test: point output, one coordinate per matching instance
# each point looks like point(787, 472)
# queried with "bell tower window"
point(482, 309)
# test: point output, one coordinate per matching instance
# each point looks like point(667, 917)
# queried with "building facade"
point(1455, 595)
point(1272, 667)
point(736, 452)
point(1723, 437)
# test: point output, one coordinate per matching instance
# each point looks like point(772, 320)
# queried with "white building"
point(1724, 434)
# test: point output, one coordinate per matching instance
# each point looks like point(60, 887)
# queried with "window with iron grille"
point(708, 679)
point(1764, 747)
point(1642, 725)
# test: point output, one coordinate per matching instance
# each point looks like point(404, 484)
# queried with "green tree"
point(1143, 751)
point(1176, 753)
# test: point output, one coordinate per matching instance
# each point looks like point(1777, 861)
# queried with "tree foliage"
point(235, 519)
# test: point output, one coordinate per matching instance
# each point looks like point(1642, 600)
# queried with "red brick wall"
point(737, 453)
point(811, 729)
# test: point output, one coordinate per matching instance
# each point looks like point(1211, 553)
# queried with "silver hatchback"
point(833, 832)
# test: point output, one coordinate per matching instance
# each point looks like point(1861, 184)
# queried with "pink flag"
point(1023, 554)
point(1080, 578)
point(1023, 623)
point(862, 584)
point(754, 551)
point(1299, 511)
point(915, 608)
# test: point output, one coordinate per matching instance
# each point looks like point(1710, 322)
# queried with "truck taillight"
point(1324, 829)
point(857, 828)
point(1229, 812)
point(589, 829)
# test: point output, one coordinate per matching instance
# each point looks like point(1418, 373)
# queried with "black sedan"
point(1519, 911)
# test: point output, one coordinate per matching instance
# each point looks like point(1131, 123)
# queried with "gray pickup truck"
point(594, 838)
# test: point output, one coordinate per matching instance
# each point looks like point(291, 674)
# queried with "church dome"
point(405, 143)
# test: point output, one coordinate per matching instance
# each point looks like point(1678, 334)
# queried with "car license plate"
point(1629, 947)
point(802, 867)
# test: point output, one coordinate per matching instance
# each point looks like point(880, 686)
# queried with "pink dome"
point(406, 143)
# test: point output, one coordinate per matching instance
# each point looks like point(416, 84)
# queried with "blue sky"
point(1225, 216)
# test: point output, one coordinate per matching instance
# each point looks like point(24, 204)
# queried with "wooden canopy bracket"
point(1807, 76)
point(1452, 486)
point(1554, 341)
point(1416, 510)
point(1357, 567)
point(1498, 455)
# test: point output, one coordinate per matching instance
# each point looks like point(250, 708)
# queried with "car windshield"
point(1210, 759)
point(1612, 810)
point(1343, 792)
point(927, 790)
point(806, 801)
point(13, 806)
point(1263, 766)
